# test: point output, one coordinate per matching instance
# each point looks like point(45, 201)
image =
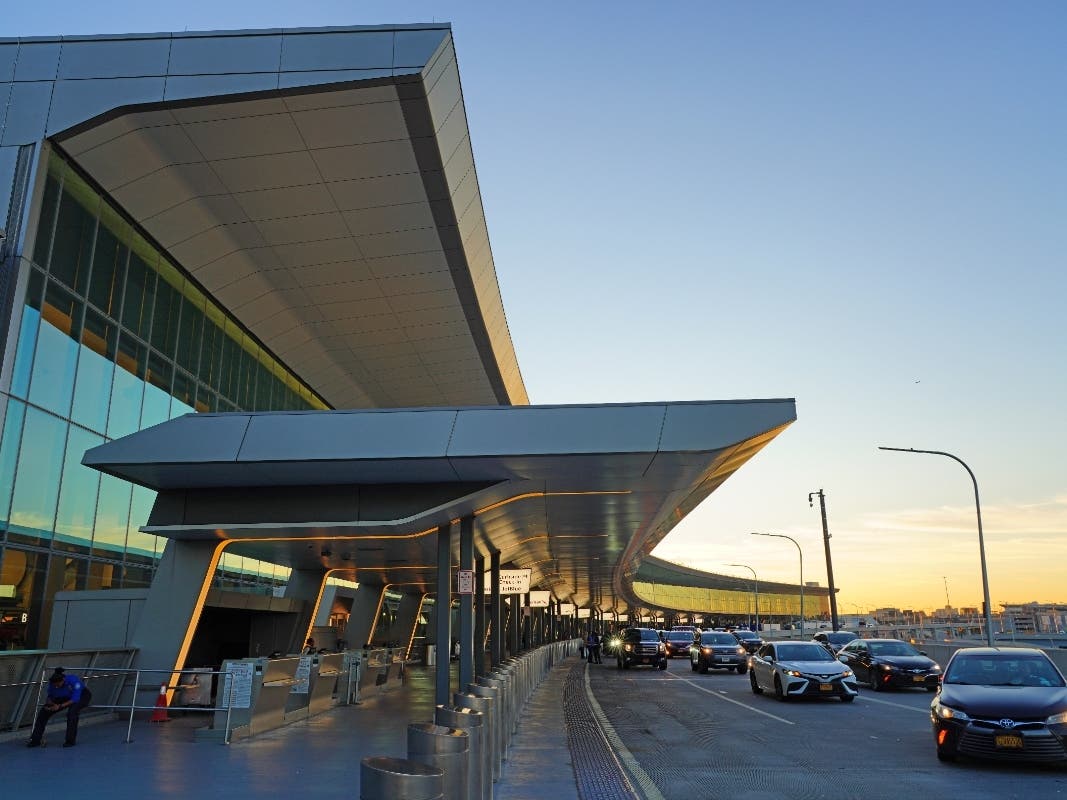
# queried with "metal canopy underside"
point(579, 494)
point(341, 224)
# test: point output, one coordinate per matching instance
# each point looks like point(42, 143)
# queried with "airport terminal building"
point(247, 221)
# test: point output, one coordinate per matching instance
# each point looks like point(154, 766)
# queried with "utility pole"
point(829, 562)
point(948, 603)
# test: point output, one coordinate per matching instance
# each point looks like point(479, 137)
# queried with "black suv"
point(641, 646)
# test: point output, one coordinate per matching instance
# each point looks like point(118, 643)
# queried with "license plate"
point(826, 687)
point(918, 679)
point(1009, 742)
point(721, 659)
point(644, 660)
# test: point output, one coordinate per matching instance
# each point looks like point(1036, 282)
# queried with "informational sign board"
point(566, 609)
point(303, 676)
point(241, 677)
point(512, 581)
point(540, 599)
point(465, 581)
point(583, 613)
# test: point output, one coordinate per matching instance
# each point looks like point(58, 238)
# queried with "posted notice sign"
point(566, 609)
point(465, 581)
point(512, 581)
point(540, 599)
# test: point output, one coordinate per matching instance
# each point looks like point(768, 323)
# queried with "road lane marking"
point(735, 702)
point(925, 710)
point(622, 754)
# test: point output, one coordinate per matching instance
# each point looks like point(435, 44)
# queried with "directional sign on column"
point(512, 581)
point(566, 609)
point(540, 599)
point(465, 581)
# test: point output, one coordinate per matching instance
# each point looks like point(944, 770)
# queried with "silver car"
point(800, 669)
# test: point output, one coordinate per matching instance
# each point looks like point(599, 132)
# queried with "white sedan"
point(800, 669)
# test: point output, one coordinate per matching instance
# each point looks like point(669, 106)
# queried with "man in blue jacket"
point(64, 692)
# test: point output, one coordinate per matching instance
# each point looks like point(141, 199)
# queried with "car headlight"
point(662, 648)
point(935, 668)
point(628, 647)
point(887, 667)
point(947, 712)
point(846, 674)
point(741, 651)
point(614, 643)
point(707, 650)
point(792, 673)
point(1057, 719)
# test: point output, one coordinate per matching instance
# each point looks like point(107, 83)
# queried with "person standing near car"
point(64, 692)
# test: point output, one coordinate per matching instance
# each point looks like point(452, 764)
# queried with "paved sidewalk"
point(320, 755)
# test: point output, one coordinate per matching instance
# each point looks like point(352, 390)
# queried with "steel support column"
point(496, 631)
point(443, 604)
point(479, 616)
point(466, 605)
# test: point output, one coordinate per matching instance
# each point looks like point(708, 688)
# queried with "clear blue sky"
point(859, 205)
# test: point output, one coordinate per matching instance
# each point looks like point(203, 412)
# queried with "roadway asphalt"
point(709, 736)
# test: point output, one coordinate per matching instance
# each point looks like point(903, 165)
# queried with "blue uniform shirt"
point(70, 689)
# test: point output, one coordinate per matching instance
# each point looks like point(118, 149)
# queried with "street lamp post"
point(981, 540)
point(801, 554)
point(755, 589)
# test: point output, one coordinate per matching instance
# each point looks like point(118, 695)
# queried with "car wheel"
point(931, 688)
point(663, 664)
point(693, 664)
point(703, 667)
point(778, 692)
point(742, 669)
point(872, 681)
point(847, 698)
point(618, 663)
point(625, 664)
point(756, 688)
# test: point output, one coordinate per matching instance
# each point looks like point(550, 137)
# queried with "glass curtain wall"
point(114, 337)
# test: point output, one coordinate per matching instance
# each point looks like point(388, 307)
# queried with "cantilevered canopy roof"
point(579, 494)
point(320, 184)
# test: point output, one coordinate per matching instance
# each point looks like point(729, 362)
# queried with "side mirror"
point(843, 659)
point(922, 652)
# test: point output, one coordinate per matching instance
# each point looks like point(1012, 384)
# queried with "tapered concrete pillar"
point(172, 609)
point(362, 619)
point(407, 617)
point(306, 585)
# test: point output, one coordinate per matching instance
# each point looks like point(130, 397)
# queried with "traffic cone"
point(160, 714)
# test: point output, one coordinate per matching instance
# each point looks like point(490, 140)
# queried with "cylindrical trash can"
point(479, 769)
point(383, 778)
point(448, 749)
point(485, 706)
point(431, 656)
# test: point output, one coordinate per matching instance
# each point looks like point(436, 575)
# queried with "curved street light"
point(801, 554)
point(981, 540)
point(755, 588)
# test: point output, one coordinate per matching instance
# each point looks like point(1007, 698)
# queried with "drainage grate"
point(597, 771)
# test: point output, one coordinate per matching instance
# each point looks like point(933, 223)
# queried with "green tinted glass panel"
point(127, 392)
point(109, 264)
point(165, 318)
point(72, 244)
point(33, 503)
point(9, 451)
point(137, 543)
point(96, 370)
point(112, 516)
point(52, 382)
point(47, 220)
point(31, 318)
point(138, 295)
point(77, 493)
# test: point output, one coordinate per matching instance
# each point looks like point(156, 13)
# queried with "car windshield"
point(1003, 671)
point(839, 638)
point(642, 634)
point(745, 635)
point(803, 652)
point(680, 636)
point(717, 638)
point(892, 649)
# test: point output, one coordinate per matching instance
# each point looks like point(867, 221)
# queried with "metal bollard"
point(448, 749)
point(504, 696)
point(383, 778)
point(480, 771)
point(484, 705)
point(499, 722)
